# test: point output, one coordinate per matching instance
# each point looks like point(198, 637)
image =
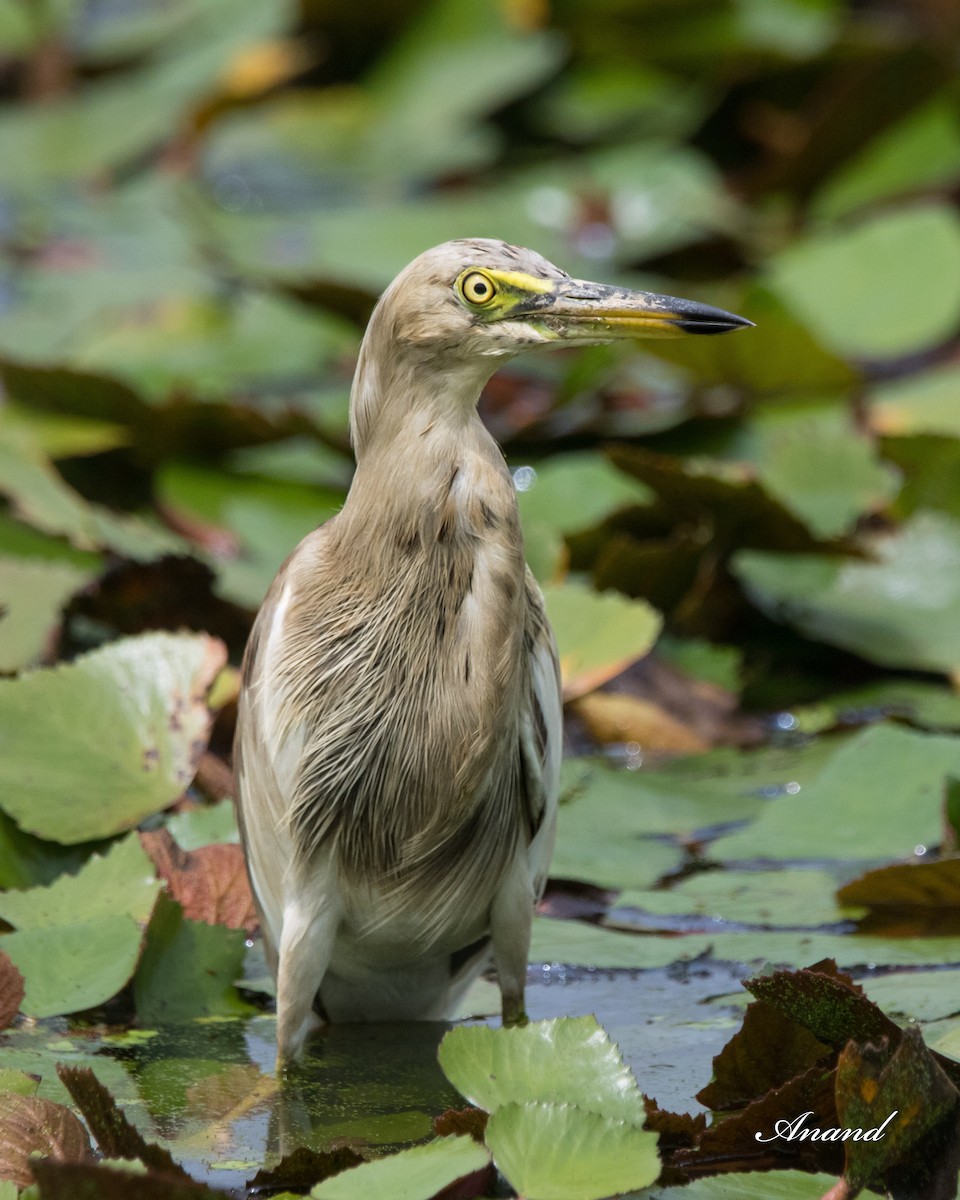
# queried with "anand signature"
point(798, 1131)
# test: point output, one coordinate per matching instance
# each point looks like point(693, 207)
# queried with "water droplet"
point(786, 720)
point(524, 478)
point(791, 788)
point(919, 851)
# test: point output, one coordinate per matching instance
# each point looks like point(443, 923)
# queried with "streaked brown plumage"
point(399, 739)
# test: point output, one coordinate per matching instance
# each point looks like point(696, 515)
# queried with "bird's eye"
point(477, 288)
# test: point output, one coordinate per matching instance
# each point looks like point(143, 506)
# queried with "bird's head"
point(481, 298)
point(442, 325)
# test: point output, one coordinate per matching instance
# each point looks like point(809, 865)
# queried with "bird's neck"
point(424, 458)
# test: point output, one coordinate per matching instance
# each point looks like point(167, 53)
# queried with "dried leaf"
point(210, 883)
point(29, 1125)
point(302, 1170)
point(767, 1051)
point(897, 1097)
point(11, 990)
point(114, 1134)
point(928, 885)
point(749, 1140)
point(456, 1121)
point(615, 717)
point(93, 1181)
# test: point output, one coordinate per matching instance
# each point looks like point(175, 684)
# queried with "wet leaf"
point(838, 282)
point(11, 990)
point(768, 1050)
point(210, 883)
point(98, 1181)
point(301, 1169)
point(597, 635)
point(897, 1097)
point(32, 594)
point(922, 885)
point(552, 1151)
point(77, 941)
point(115, 1136)
point(414, 1174)
point(187, 969)
point(879, 795)
point(916, 995)
point(748, 1141)
point(786, 898)
point(568, 1060)
point(29, 1125)
point(145, 726)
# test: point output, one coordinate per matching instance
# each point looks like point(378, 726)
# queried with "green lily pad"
point(922, 402)
point(920, 151)
point(128, 723)
point(772, 898)
point(756, 1185)
point(205, 825)
point(887, 287)
point(814, 462)
point(878, 796)
point(917, 996)
point(569, 1060)
point(598, 636)
point(77, 941)
point(187, 969)
point(561, 1152)
point(902, 610)
point(415, 1174)
point(32, 594)
point(576, 943)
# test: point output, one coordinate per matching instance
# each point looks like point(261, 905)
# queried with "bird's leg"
point(306, 945)
point(511, 917)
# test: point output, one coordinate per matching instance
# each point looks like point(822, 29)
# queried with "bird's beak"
point(575, 310)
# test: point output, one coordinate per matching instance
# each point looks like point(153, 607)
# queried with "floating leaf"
point(415, 1174)
point(77, 941)
point(561, 1152)
point(933, 886)
point(32, 594)
point(887, 287)
point(902, 610)
point(879, 795)
point(597, 635)
point(144, 726)
point(187, 969)
point(570, 1060)
point(922, 402)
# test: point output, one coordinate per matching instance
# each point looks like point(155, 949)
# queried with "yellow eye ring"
point(477, 288)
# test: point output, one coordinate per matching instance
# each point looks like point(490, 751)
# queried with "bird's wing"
point(267, 756)
point(541, 733)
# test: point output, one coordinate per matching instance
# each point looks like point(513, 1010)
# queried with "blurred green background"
point(200, 200)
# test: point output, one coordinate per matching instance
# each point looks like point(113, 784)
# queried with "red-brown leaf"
point(210, 883)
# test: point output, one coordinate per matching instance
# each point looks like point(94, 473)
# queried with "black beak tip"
point(705, 319)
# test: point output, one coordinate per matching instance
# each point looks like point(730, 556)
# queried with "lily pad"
point(598, 636)
point(879, 796)
point(569, 1061)
point(884, 288)
point(144, 725)
point(922, 402)
point(902, 610)
point(415, 1174)
point(561, 1152)
point(784, 898)
point(77, 941)
point(32, 594)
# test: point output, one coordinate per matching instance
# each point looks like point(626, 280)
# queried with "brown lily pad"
point(11, 990)
point(210, 882)
point(29, 1125)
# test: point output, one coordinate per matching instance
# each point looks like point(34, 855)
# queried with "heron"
point(400, 721)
